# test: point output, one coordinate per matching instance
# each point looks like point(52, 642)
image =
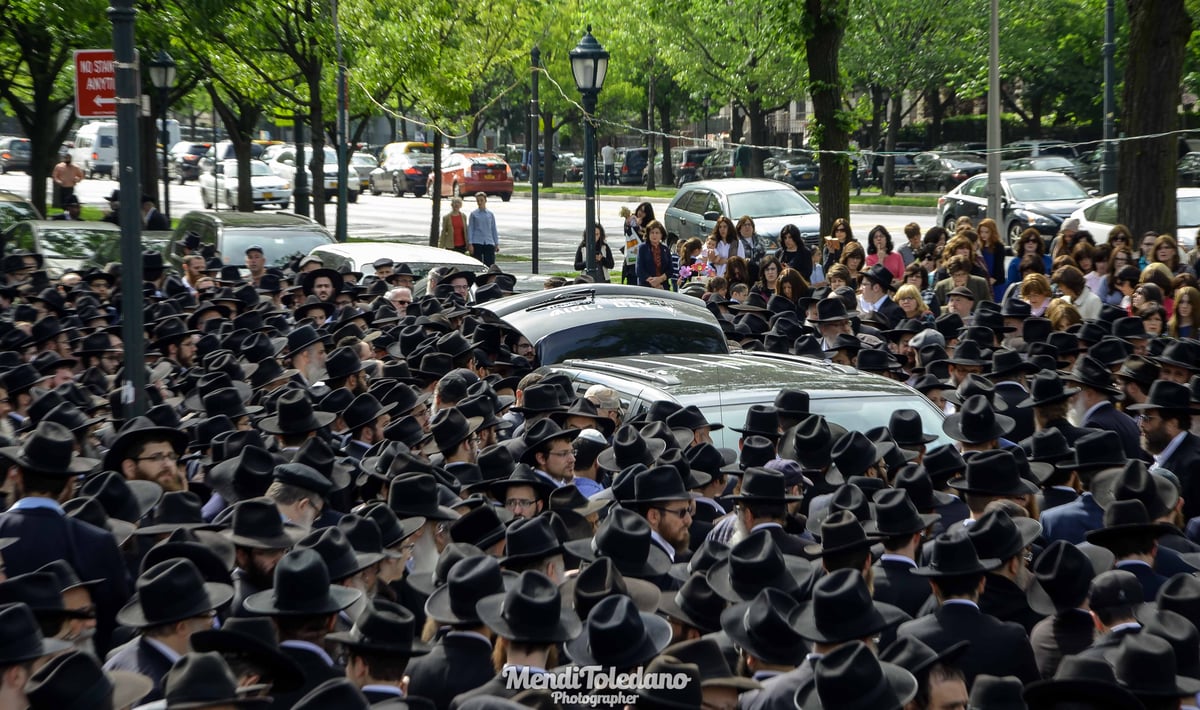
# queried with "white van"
point(95, 148)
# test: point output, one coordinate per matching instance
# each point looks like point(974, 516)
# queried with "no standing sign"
point(95, 84)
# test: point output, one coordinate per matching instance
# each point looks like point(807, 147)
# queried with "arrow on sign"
point(104, 102)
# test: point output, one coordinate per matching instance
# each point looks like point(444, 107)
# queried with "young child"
point(632, 240)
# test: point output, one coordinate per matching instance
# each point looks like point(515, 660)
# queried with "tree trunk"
point(937, 112)
point(151, 158)
point(893, 130)
point(1158, 33)
point(758, 137)
point(824, 27)
point(878, 109)
point(548, 130)
point(650, 129)
point(316, 126)
point(735, 124)
point(435, 191)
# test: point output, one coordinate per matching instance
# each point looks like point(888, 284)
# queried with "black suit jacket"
point(455, 665)
point(892, 311)
point(140, 657)
point(44, 536)
point(1064, 634)
point(497, 687)
point(778, 692)
point(241, 589)
point(1185, 464)
point(1105, 643)
point(896, 585)
point(1109, 419)
point(1150, 580)
point(315, 671)
point(1069, 431)
point(1054, 497)
point(997, 648)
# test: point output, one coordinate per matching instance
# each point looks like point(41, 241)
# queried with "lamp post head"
point(162, 70)
point(589, 64)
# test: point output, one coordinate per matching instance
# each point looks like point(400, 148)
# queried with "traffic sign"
point(95, 84)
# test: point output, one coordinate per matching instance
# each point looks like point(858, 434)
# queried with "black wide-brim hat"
point(302, 588)
point(525, 613)
point(822, 627)
point(285, 674)
point(608, 637)
point(971, 424)
point(135, 432)
point(655, 564)
point(1081, 682)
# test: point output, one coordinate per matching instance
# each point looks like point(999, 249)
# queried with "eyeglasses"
point(159, 458)
point(521, 503)
point(684, 513)
point(566, 452)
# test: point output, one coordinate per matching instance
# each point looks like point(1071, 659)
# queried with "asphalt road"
point(407, 218)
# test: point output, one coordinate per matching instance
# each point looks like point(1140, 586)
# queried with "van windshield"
point(617, 337)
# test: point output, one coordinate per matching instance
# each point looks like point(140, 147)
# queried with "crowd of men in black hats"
point(342, 496)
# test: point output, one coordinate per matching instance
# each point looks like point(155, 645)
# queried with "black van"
point(633, 165)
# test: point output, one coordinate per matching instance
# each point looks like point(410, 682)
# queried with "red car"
point(464, 174)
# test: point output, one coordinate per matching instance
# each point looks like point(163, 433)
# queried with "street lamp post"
point(707, 103)
point(162, 75)
point(589, 64)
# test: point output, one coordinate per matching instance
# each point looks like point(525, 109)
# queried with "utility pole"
point(1108, 168)
point(535, 57)
point(993, 119)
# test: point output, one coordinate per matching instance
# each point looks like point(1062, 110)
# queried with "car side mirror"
point(712, 216)
point(1093, 192)
point(289, 161)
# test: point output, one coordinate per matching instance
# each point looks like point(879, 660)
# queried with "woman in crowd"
point(717, 286)
point(879, 251)
point(1154, 318)
point(1035, 290)
point(748, 244)
point(792, 285)
point(839, 276)
point(768, 279)
point(908, 297)
point(993, 253)
point(654, 258)
point(1166, 252)
point(835, 242)
point(1097, 274)
point(1146, 249)
point(1186, 316)
point(1029, 243)
point(963, 244)
point(726, 238)
point(1158, 274)
point(917, 275)
point(454, 228)
point(1122, 258)
point(793, 253)
point(604, 256)
point(737, 271)
point(853, 259)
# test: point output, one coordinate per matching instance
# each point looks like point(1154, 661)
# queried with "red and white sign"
point(95, 84)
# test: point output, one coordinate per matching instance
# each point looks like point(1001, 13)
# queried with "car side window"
point(975, 188)
point(693, 202)
point(22, 238)
point(712, 204)
point(1106, 212)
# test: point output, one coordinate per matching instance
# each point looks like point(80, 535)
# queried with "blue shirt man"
point(481, 232)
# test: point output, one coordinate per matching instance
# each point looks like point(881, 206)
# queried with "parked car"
point(1051, 163)
point(1100, 215)
point(403, 167)
point(66, 245)
point(1087, 168)
point(676, 158)
point(688, 168)
point(1187, 173)
point(717, 165)
point(15, 154)
point(1038, 148)
point(221, 186)
point(224, 150)
point(421, 258)
point(282, 235)
point(363, 164)
point(1030, 198)
point(607, 320)
point(695, 208)
point(282, 160)
point(184, 160)
point(798, 169)
point(14, 208)
point(471, 173)
point(725, 386)
point(631, 164)
point(943, 171)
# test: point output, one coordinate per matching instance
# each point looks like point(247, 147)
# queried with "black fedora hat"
point(49, 451)
point(172, 591)
point(450, 427)
point(953, 555)
point(1095, 451)
point(122, 499)
point(907, 429)
point(392, 530)
point(754, 563)
point(601, 579)
point(851, 678)
point(469, 580)
point(249, 472)
point(1007, 362)
point(916, 657)
point(706, 655)
point(341, 559)
point(1134, 481)
point(1046, 388)
point(1050, 446)
point(308, 278)
point(761, 420)
point(763, 484)
point(1090, 372)
point(301, 338)
point(840, 532)
point(383, 627)
point(255, 638)
point(1123, 518)
point(661, 484)
point(521, 475)
point(541, 432)
point(528, 539)
point(294, 414)
point(810, 442)
point(998, 535)
point(1145, 665)
point(532, 611)
point(624, 537)
point(977, 422)
point(616, 634)
point(847, 496)
point(629, 447)
point(75, 681)
point(204, 680)
point(993, 473)
point(841, 609)
point(854, 453)
point(695, 604)
point(895, 514)
point(480, 527)
point(708, 554)
point(1062, 575)
point(319, 456)
point(256, 523)
point(541, 398)
point(302, 588)
point(832, 310)
point(914, 479)
point(1167, 395)
point(1080, 682)
point(416, 495)
point(22, 639)
point(762, 627)
point(228, 401)
point(364, 410)
point(343, 362)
